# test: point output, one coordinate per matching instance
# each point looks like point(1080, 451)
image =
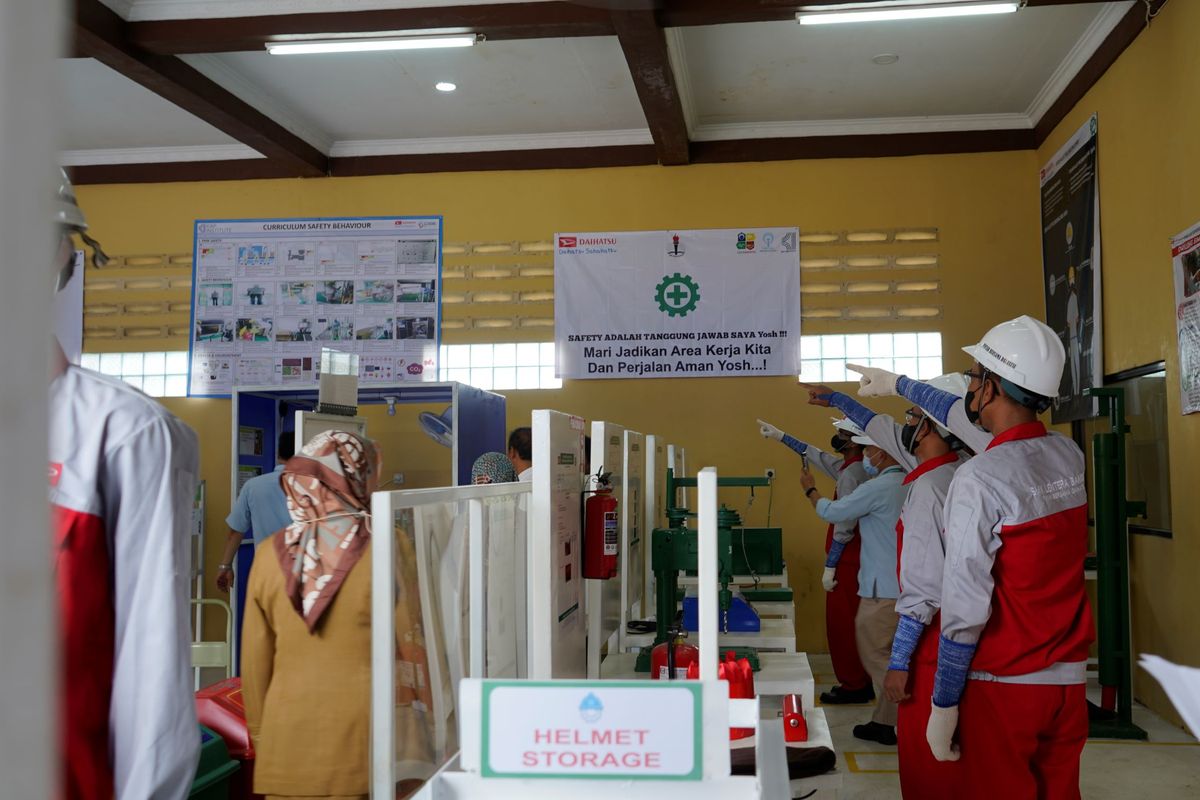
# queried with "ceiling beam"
point(1128, 29)
point(101, 34)
point(875, 145)
point(645, 48)
point(240, 169)
point(496, 21)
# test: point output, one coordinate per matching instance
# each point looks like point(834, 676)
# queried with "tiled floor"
point(1165, 768)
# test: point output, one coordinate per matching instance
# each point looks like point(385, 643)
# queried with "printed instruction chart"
point(270, 293)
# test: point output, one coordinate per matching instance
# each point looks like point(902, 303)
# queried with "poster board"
point(1071, 265)
point(557, 630)
point(677, 304)
point(269, 293)
point(1185, 263)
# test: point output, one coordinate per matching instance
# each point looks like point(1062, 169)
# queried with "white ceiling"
point(736, 81)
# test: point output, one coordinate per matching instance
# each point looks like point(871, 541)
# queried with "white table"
point(781, 673)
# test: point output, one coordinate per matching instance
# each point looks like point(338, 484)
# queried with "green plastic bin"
point(215, 768)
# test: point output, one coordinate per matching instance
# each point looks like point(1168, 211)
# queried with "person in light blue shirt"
point(261, 509)
point(876, 504)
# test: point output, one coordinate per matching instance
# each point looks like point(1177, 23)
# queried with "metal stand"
point(1113, 511)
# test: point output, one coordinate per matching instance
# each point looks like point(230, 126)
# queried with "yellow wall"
point(984, 206)
point(1149, 168)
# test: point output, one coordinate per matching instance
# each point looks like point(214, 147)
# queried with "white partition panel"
point(656, 465)
point(635, 541)
point(675, 461)
point(557, 631)
point(605, 612)
point(436, 577)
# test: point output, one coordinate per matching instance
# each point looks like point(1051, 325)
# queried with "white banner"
point(270, 293)
point(1185, 257)
point(677, 304)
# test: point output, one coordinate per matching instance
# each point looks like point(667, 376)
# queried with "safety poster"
point(677, 304)
point(270, 293)
point(1185, 261)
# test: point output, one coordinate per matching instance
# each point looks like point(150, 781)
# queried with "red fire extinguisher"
point(601, 536)
point(673, 659)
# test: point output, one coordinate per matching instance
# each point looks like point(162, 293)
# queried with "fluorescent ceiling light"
point(370, 45)
point(860, 12)
point(445, 86)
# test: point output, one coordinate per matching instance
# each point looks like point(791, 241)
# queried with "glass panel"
point(110, 363)
point(176, 386)
point(833, 347)
point(481, 355)
point(528, 377)
point(881, 345)
point(929, 344)
point(504, 377)
point(905, 344)
point(556, 383)
point(459, 356)
point(810, 371)
point(810, 346)
point(154, 364)
point(547, 354)
point(481, 377)
point(131, 363)
point(833, 370)
point(90, 361)
point(858, 346)
point(548, 380)
point(528, 354)
point(459, 374)
point(155, 385)
point(907, 366)
point(504, 355)
point(134, 381)
point(177, 362)
point(929, 368)
point(882, 363)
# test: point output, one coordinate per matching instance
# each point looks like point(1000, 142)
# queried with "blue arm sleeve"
point(794, 443)
point(835, 553)
point(908, 633)
point(954, 661)
point(859, 414)
point(935, 401)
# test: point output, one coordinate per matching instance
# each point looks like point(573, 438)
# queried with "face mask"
point(972, 414)
point(837, 443)
point(870, 468)
point(908, 437)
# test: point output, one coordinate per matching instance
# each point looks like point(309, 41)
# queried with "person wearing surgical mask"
point(876, 504)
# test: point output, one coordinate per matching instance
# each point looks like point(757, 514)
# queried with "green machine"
point(1112, 513)
point(740, 551)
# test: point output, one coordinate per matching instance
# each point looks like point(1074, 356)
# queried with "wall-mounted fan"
point(438, 428)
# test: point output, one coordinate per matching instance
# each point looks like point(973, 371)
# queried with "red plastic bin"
point(220, 708)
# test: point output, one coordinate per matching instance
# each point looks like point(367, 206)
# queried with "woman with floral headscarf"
point(306, 643)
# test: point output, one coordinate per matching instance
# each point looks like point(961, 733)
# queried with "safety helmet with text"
point(1024, 352)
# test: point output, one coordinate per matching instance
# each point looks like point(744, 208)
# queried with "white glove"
point(874, 382)
point(769, 431)
point(827, 578)
point(940, 733)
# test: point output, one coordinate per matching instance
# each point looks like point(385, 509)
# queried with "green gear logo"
point(677, 295)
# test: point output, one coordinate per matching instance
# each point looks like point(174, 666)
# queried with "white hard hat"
point(953, 382)
point(847, 425)
point(1026, 352)
point(864, 440)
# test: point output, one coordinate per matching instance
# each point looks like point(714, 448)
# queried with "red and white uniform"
point(122, 481)
point(841, 605)
point(920, 551)
point(1016, 522)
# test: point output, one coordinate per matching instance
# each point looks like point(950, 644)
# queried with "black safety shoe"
point(876, 732)
point(838, 696)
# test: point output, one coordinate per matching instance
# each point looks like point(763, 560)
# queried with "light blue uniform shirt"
point(261, 507)
point(876, 505)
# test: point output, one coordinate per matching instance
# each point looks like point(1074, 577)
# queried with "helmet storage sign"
point(677, 304)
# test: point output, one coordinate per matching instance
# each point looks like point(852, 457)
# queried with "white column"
point(31, 38)
point(707, 572)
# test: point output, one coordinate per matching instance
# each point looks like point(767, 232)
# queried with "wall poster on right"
point(1071, 264)
point(1185, 263)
